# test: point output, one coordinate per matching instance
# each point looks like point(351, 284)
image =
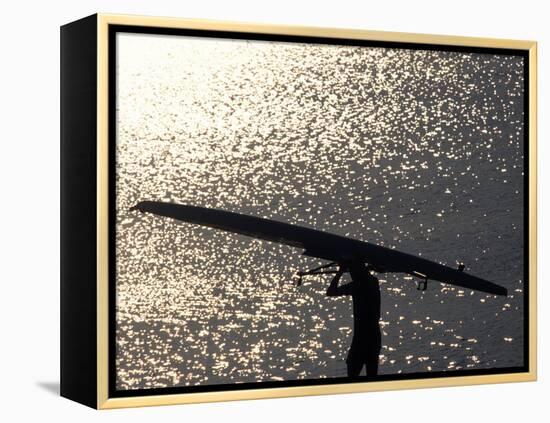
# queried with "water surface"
point(421, 151)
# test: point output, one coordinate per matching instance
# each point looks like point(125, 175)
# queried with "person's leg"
point(374, 343)
point(354, 361)
point(354, 367)
point(373, 351)
point(372, 361)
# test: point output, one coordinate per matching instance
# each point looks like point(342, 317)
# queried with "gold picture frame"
point(102, 400)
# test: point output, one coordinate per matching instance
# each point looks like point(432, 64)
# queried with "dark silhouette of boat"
point(323, 245)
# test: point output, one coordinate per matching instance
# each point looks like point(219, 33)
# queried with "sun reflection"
point(415, 150)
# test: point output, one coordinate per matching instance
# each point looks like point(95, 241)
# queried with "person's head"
point(358, 270)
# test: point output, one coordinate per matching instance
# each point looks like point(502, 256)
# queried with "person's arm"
point(334, 290)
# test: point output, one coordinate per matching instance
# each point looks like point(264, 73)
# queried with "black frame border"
point(113, 30)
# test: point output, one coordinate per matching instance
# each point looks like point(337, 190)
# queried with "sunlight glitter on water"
point(415, 150)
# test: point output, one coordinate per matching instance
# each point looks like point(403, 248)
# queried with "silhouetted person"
point(367, 339)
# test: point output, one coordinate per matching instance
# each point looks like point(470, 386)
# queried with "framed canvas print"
point(255, 211)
